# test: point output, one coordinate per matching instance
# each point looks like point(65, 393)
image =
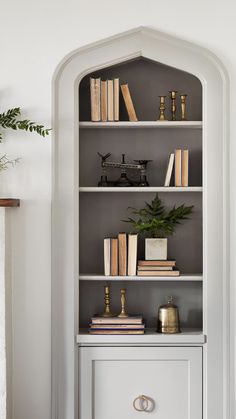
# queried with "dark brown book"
point(156, 263)
point(158, 273)
point(128, 103)
point(114, 257)
point(122, 243)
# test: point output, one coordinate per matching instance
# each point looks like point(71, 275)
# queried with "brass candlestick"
point(123, 313)
point(173, 94)
point(183, 107)
point(162, 108)
point(107, 298)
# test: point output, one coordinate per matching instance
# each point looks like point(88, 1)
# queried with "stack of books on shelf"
point(120, 255)
point(179, 160)
point(105, 101)
point(157, 268)
point(132, 325)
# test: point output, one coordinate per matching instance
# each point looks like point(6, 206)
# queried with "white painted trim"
point(204, 65)
point(142, 124)
point(181, 278)
point(140, 189)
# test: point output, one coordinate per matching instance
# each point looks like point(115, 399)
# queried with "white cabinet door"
point(111, 378)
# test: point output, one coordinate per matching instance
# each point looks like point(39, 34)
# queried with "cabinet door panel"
point(112, 378)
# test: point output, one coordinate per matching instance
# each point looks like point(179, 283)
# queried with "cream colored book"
point(114, 257)
point(110, 101)
point(116, 99)
point(185, 167)
point(95, 95)
point(132, 254)
point(178, 162)
point(104, 101)
point(169, 169)
point(107, 257)
point(158, 273)
point(122, 244)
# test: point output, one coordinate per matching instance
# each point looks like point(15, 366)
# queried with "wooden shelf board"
point(141, 189)
point(188, 336)
point(181, 278)
point(9, 202)
point(142, 124)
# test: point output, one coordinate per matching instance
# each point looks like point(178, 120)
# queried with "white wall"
point(35, 36)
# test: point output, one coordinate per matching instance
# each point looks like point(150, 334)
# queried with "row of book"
point(180, 161)
point(120, 255)
point(105, 100)
point(132, 325)
point(157, 268)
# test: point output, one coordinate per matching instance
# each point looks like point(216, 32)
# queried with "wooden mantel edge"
point(9, 202)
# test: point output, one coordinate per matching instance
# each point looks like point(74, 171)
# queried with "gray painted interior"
point(101, 213)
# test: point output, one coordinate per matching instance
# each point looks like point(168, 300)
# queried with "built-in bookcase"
point(102, 209)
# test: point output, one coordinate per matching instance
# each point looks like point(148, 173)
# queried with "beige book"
point(178, 161)
point(156, 263)
point(122, 244)
point(128, 103)
point(116, 332)
point(110, 100)
point(158, 273)
point(107, 257)
point(114, 257)
point(104, 101)
point(155, 268)
point(116, 99)
point(185, 167)
point(132, 254)
point(169, 169)
point(95, 92)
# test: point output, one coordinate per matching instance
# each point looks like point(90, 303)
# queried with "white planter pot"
point(156, 249)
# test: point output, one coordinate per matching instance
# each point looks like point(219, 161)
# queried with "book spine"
point(104, 101)
point(95, 93)
point(156, 263)
point(169, 169)
point(107, 257)
point(128, 103)
point(110, 100)
point(132, 254)
point(114, 257)
point(185, 167)
point(158, 273)
point(116, 99)
point(122, 244)
point(178, 155)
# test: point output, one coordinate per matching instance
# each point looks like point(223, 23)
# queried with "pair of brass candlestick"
point(173, 97)
point(107, 299)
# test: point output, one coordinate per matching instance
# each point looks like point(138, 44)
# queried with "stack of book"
point(181, 160)
point(132, 325)
point(157, 268)
point(104, 100)
point(120, 255)
point(105, 104)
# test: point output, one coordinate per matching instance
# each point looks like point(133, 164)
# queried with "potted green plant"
point(156, 222)
point(10, 120)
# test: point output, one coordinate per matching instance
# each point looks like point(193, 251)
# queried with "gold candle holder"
point(123, 313)
point(107, 299)
point(183, 107)
point(162, 108)
point(173, 95)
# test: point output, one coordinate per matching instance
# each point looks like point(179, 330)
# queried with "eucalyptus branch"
point(5, 162)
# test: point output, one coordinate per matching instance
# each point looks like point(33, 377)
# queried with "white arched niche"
point(156, 46)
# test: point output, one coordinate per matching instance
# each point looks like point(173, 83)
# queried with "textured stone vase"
point(156, 249)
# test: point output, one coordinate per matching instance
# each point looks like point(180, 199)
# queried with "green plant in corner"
point(155, 221)
point(10, 120)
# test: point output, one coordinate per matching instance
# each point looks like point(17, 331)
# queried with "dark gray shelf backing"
point(150, 144)
point(101, 215)
point(147, 80)
point(143, 298)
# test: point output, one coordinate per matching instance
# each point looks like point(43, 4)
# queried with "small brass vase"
point(168, 318)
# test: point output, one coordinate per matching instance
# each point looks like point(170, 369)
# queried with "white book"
point(169, 169)
point(107, 257)
point(132, 254)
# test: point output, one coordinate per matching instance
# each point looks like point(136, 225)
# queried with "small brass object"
point(107, 298)
point(123, 313)
point(162, 108)
point(168, 318)
point(173, 95)
point(183, 107)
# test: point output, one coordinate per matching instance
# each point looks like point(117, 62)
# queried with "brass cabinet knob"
point(143, 404)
